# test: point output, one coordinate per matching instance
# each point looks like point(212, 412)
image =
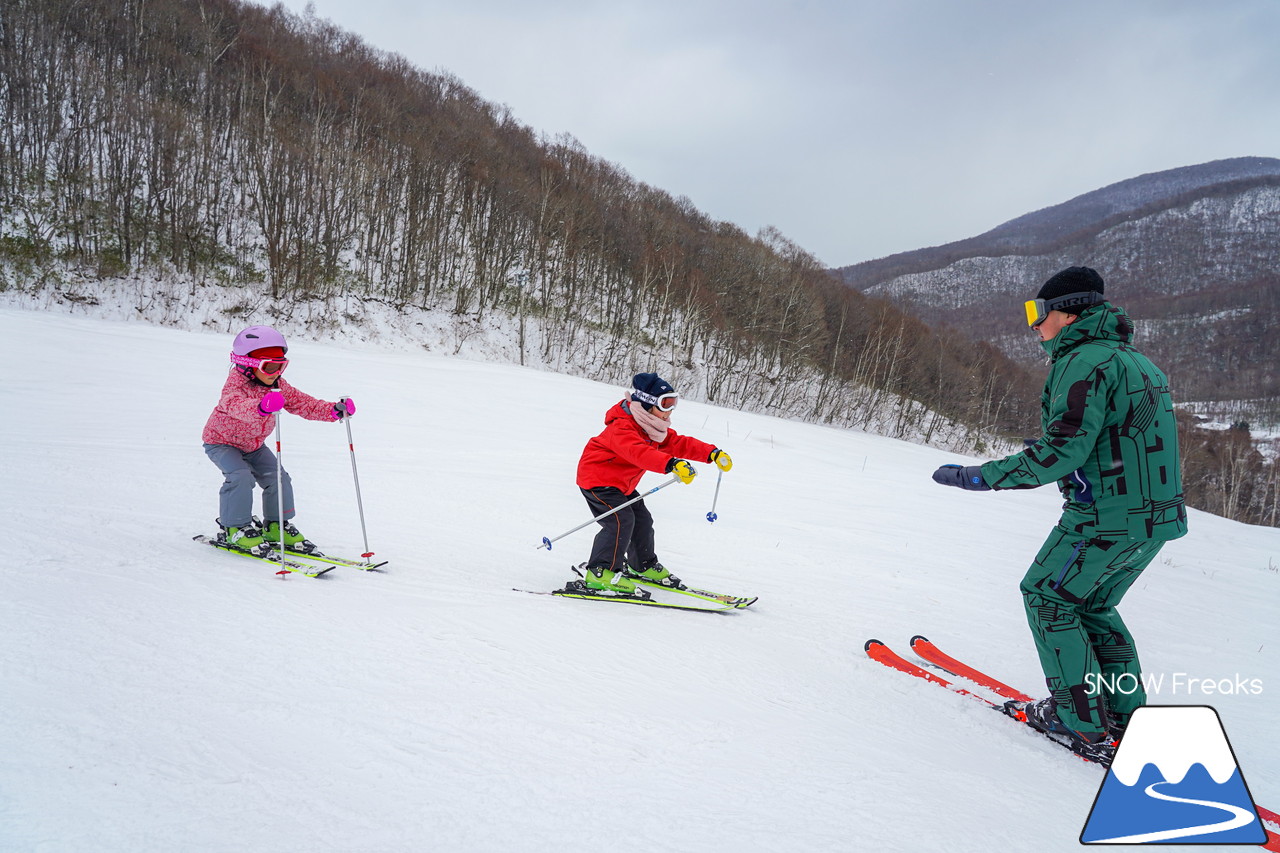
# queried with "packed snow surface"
point(159, 695)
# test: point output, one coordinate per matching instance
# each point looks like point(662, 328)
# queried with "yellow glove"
point(682, 469)
point(721, 459)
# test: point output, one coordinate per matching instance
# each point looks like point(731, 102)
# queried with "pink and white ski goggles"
point(269, 366)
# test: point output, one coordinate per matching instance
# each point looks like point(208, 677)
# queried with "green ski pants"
point(1071, 593)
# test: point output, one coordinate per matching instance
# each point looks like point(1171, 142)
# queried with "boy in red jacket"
point(637, 437)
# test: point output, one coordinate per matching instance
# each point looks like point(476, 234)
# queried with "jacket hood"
point(1103, 322)
point(616, 411)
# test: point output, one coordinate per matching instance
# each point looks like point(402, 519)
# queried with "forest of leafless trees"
point(252, 149)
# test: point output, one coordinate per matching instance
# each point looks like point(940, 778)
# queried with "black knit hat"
point(1069, 281)
point(646, 388)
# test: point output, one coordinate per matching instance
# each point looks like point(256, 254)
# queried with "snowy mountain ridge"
point(1079, 221)
point(1188, 253)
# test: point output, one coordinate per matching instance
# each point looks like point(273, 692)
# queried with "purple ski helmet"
point(257, 337)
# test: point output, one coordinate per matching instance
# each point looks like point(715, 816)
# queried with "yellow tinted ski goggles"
point(1038, 309)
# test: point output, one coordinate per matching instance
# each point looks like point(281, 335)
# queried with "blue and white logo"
point(1174, 781)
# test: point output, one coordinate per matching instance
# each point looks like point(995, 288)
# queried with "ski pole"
point(280, 492)
point(711, 516)
point(546, 543)
point(356, 476)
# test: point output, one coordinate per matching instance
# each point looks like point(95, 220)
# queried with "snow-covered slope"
point(161, 696)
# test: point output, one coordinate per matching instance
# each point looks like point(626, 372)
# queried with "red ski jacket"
point(621, 454)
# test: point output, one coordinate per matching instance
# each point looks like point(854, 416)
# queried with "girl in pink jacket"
point(234, 434)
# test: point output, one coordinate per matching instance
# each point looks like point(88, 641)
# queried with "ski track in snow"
point(161, 696)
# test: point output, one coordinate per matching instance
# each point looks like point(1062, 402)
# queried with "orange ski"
point(936, 656)
point(881, 653)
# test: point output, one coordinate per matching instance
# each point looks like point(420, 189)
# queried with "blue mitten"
point(968, 477)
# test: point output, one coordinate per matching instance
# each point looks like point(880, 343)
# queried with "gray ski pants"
point(241, 470)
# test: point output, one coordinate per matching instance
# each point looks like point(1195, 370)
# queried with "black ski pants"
point(626, 536)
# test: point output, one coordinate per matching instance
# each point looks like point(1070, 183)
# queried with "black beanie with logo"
point(1072, 280)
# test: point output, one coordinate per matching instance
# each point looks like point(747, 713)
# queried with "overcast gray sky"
point(861, 128)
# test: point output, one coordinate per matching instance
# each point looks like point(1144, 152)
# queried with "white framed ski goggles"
point(269, 366)
point(1038, 309)
point(665, 402)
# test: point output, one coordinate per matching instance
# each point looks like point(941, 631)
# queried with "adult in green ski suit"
point(1110, 441)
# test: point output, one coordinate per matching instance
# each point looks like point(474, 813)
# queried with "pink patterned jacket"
point(236, 420)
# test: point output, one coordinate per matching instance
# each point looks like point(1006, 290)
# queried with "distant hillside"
point(1081, 219)
point(1063, 224)
point(1191, 253)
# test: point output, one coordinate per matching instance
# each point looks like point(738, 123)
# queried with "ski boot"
point(247, 538)
point(1116, 724)
point(293, 540)
point(657, 575)
point(604, 579)
point(1042, 715)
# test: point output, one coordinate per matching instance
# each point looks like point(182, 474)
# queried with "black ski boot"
point(1042, 715)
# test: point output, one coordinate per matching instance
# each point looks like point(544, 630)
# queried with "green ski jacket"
point(1109, 436)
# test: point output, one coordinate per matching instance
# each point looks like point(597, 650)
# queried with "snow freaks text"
point(1177, 684)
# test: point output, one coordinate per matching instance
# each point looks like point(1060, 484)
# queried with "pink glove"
point(272, 401)
point(344, 408)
